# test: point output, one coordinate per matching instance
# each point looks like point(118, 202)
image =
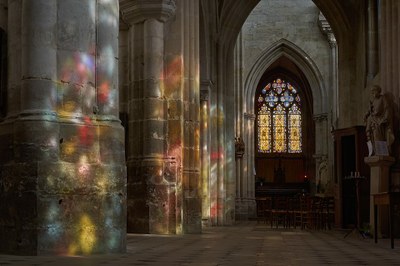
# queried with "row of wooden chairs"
point(306, 212)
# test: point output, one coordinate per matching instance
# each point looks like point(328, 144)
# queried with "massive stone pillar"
point(163, 158)
point(63, 173)
point(151, 175)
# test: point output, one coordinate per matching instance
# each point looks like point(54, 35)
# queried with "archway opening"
point(284, 133)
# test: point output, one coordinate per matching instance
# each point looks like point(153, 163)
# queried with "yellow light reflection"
point(87, 238)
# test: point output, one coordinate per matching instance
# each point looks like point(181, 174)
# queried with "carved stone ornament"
point(239, 147)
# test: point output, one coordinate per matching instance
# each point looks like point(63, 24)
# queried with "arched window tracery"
point(279, 118)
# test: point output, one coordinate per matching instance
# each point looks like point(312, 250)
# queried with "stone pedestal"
point(379, 183)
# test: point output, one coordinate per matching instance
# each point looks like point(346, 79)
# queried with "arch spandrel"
point(288, 49)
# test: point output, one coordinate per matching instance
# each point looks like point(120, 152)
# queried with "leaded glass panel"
point(279, 118)
point(294, 129)
point(279, 129)
point(264, 129)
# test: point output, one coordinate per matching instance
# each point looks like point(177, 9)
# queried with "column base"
point(55, 208)
point(245, 209)
point(152, 199)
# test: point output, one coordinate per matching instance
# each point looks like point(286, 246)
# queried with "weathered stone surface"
point(82, 224)
point(33, 88)
point(79, 142)
point(76, 25)
point(112, 144)
point(6, 143)
point(80, 178)
point(154, 108)
point(36, 140)
point(192, 219)
point(63, 187)
point(18, 208)
point(152, 196)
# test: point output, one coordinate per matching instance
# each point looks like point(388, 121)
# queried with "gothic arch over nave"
point(181, 78)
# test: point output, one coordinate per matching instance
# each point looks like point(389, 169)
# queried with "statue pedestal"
point(379, 183)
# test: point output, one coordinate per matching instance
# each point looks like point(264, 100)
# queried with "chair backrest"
point(260, 202)
point(294, 203)
point(281, 203)
point(330, 204)
point(305, 203)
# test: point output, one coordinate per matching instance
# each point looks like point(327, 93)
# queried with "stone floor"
point(244, 244)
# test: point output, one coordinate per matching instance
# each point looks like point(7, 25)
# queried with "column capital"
point(326, 29)
point(249, 116)
point(320, 117)
point(204, 95)
point(136, 11)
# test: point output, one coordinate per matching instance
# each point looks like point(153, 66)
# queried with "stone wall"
point(295, 21)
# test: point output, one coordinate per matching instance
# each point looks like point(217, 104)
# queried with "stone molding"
point(206, 87)
point(320, 157)
point(326, 29)
point(204, 95)
point(137, 11)
point(286, 48)
point(320, 117)
point(379, 160)
point(123, 25)
point(249, 116)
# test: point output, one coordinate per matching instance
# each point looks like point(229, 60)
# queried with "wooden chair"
point(295, 211)
point(260, 208)
point(268, 210)
point(328, 213)
point(279, 212)
point(306, 212)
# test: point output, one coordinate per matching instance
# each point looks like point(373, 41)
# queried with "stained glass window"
point(279, 118)
point(264, 129)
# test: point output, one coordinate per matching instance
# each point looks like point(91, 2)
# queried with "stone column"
point(65, 175)
point(332, 118)
point(204, 150)
point(380, 172)
point(191, 182)
point(248, 182)
point(389, 47)
point(321, 146)
point(372, 40)
point(14, 69)
point(327, 31)
point(3, 57)
point(151, 175)
point(123, 65)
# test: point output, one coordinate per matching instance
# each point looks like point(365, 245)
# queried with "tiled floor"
point(245, 244)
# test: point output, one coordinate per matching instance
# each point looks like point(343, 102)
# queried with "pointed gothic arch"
point(318, 94)
point(288, 49)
